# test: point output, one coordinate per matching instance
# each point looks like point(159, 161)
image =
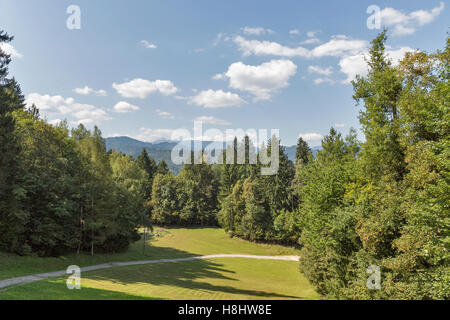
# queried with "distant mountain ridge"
point(161, 150)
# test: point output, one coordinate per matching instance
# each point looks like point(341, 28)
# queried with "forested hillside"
point(162, 150)
point(158, 151)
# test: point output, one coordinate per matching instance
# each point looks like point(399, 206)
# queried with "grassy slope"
point(204, 279)
point(180, 242)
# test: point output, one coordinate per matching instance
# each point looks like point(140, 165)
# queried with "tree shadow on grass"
point(186, 274)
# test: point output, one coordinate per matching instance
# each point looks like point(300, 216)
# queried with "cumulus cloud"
point(294, 32)
point(263, 80)
point(87, 91)
point(312, 39)
point(125, 107)
point(256, 47)
point(337, 46)
point(10, 50)
point(319, 70)
point(152, 135)
point(256, 31)
point(405, 24)
point(356, 64)
point(313, 138)
point(141, 88)
point(58, 106)
point(216, 99)
point(212, 120)
point(165, 114)
point(148, 44)
point(324, 80)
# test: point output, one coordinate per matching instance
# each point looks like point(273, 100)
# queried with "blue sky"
point(145, 68)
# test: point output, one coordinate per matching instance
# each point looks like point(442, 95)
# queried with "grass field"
point(224, 278)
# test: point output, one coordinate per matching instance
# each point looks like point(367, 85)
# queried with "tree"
point(149, 166)
point(303, 153)
point(198, 194)
point(327, 226)
point(162, 168)
point(165, 200)
point(11, 100)
point(380, 92)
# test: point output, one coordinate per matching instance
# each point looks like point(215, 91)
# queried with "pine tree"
point(162, 168)
point(149, 166)
point(11, 100)
point(303, 153)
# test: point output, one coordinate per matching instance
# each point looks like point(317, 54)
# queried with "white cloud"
point(152, 135)
point(212, 120)
point(310, 41)
point(357, 65)
point(67, 107)
point(218, 38)
point(337, 46)
point(87, 91)
point(405, 24)
point(294, 32)
point(311, 137)
point(324, 80)
point(261, 81)
point(256, 31)
point(141, 88)
point(354, 65)
point(125, 107)
point(339, 125)
point(10, 50)
point(165, 114)
point(216, 99)
point(148, 44)
point(319, 70)
point(257, 47)
point(219, 76)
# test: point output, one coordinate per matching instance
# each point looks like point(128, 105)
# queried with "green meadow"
point(221, 278)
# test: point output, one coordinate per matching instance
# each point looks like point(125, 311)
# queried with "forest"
point(383, 201)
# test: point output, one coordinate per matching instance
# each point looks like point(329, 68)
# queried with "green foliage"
point(165, 200)
point(11, 100)
point(59, 193)
point(303, 152)
point(188, 199)
point(387, 205)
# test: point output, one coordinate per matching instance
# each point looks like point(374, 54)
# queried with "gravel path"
point(37, 277)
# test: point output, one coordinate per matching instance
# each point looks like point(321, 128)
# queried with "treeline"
point(60, 191)
point(202, 194)
point(382, 203)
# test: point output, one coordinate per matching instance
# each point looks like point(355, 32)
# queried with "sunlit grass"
point(224, 278)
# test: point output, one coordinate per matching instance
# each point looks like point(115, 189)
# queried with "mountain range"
point(161, 150)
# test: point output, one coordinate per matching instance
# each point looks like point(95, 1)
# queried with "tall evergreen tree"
point(303, 152)
point(11, 100)
point(162, 168)
point(149, 166)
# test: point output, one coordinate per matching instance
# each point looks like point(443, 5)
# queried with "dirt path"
point(37, 277)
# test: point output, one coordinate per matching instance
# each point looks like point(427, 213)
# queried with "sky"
point(144, 69)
